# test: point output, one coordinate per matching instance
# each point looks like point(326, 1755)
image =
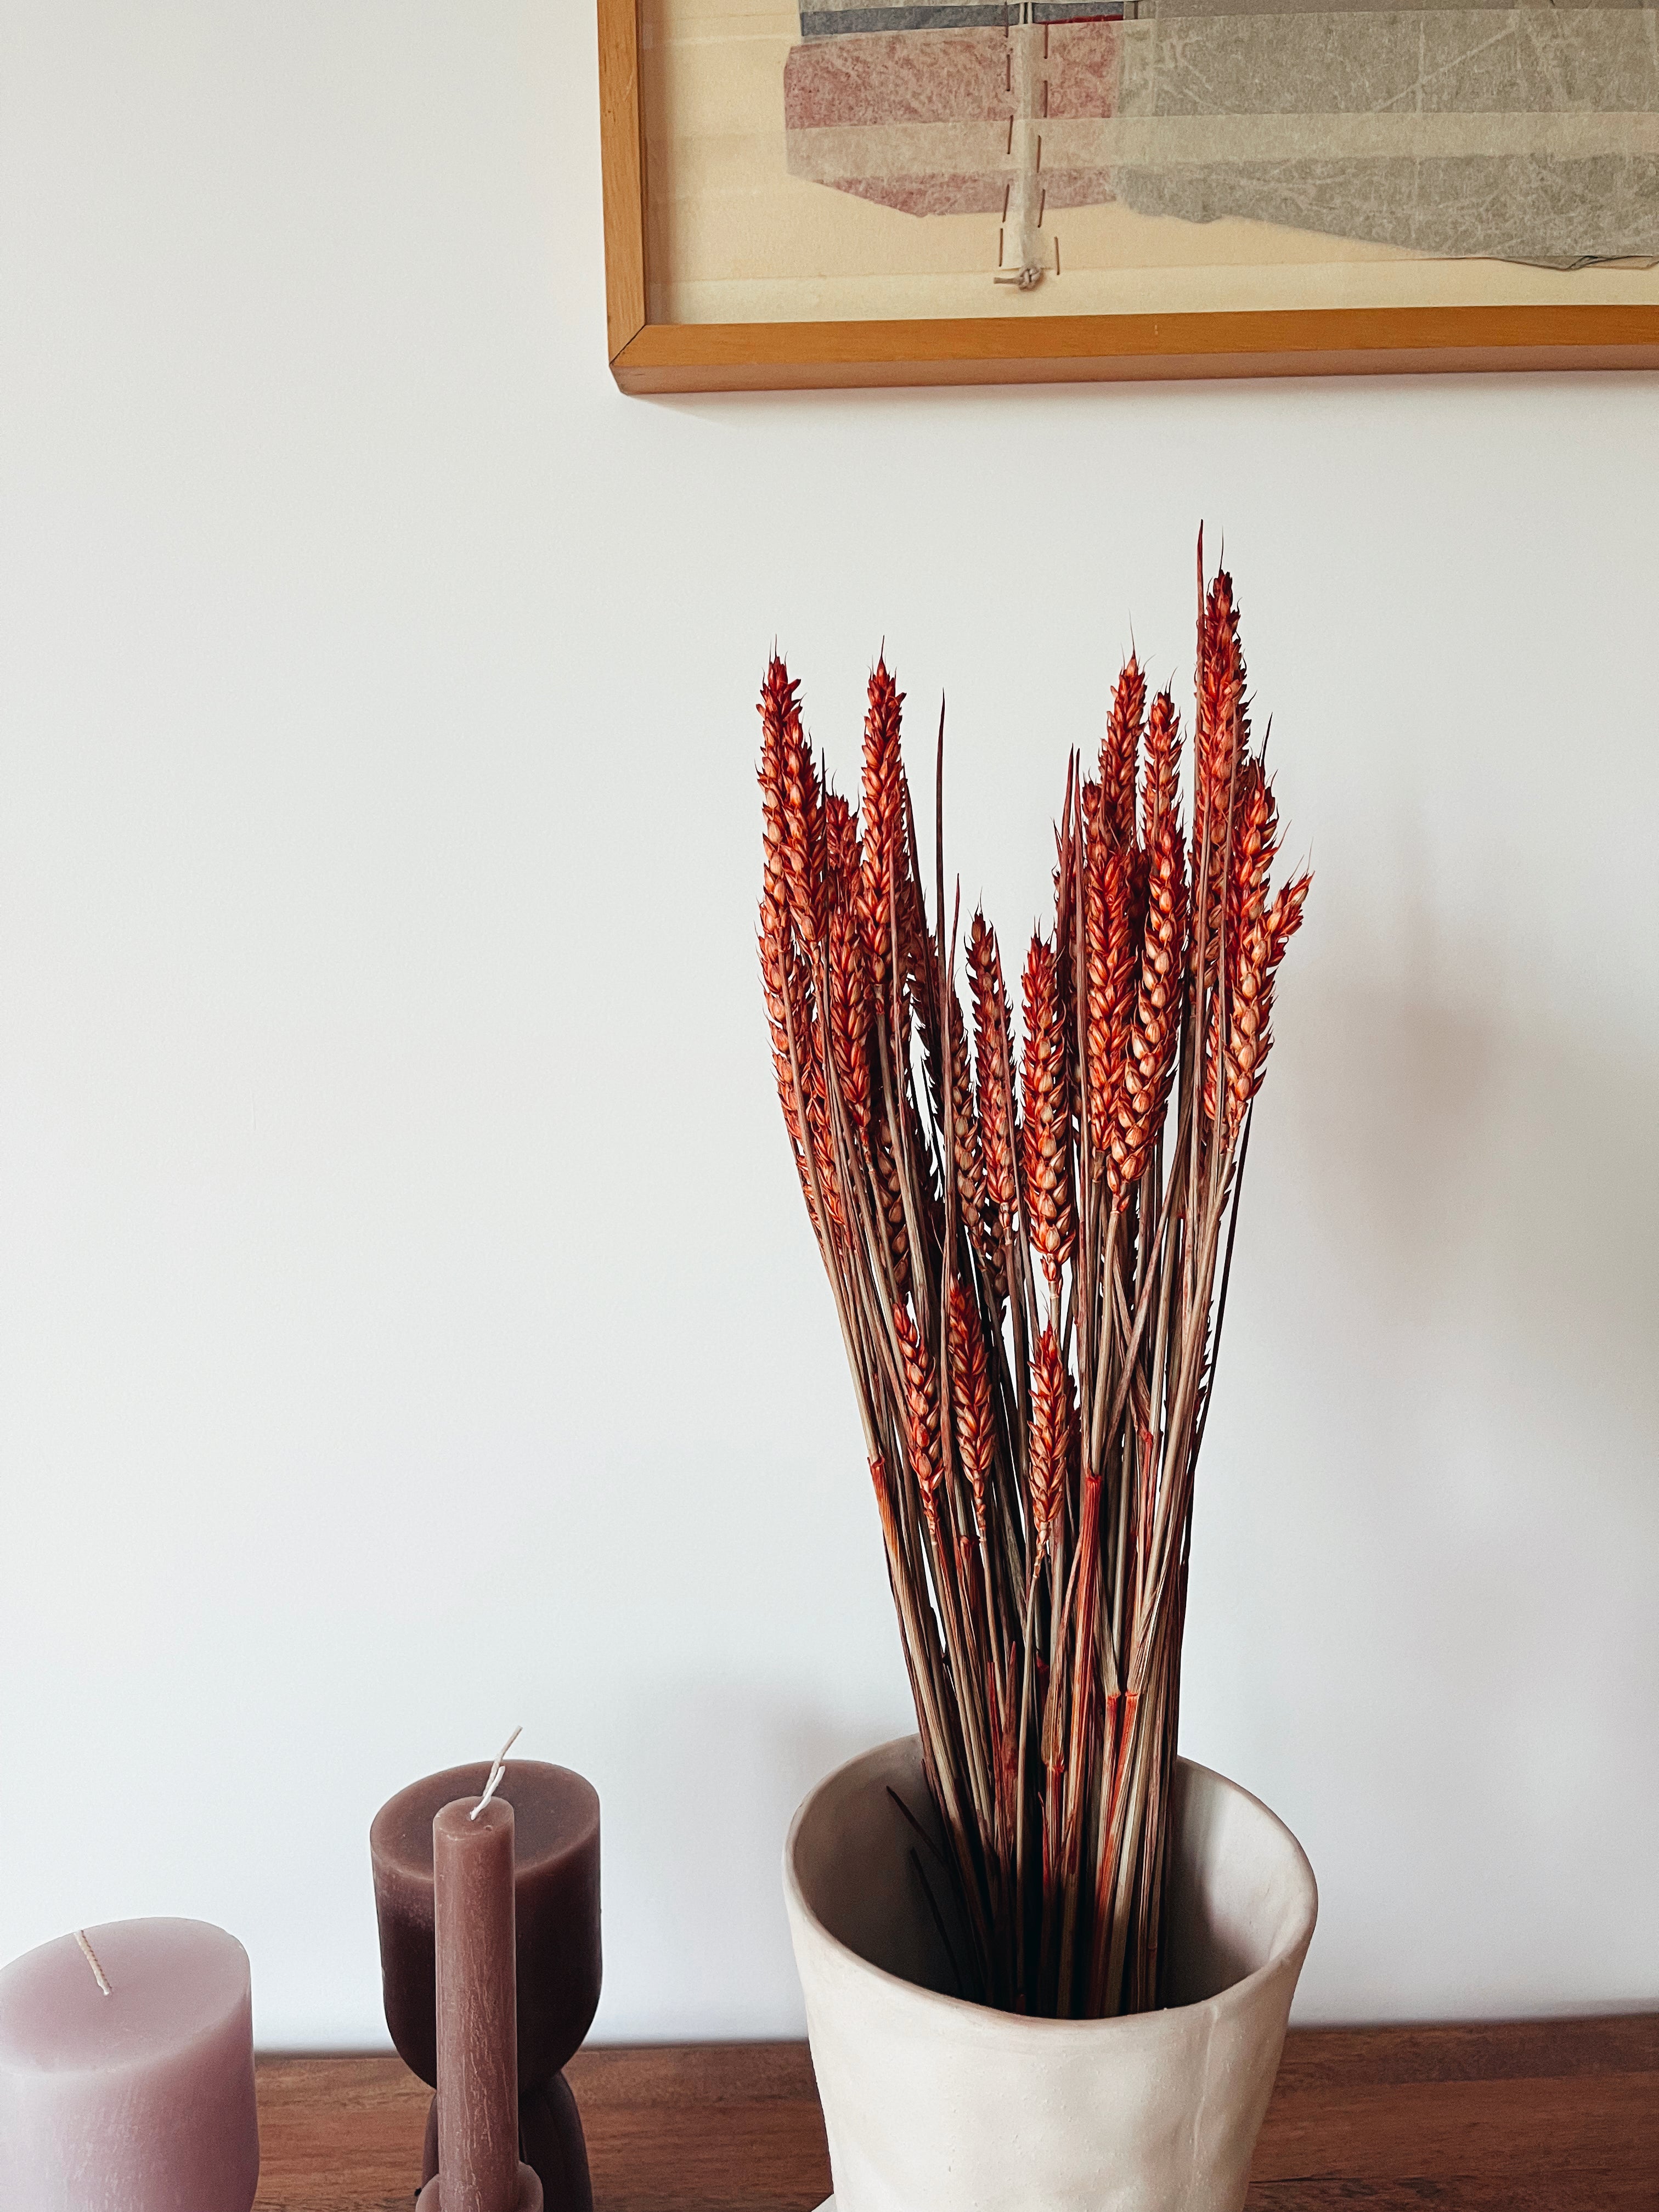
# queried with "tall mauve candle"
point(478, 2168)
point(126, 2073)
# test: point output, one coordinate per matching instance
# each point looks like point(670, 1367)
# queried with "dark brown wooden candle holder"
point(556, 1905)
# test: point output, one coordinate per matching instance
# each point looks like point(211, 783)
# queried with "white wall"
point(407, 1325)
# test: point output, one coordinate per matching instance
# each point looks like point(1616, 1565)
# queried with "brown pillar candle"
point(557, 1916)
point(555, 1911)
point(478, 2168)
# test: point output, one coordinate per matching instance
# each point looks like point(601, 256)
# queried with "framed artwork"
point(802, 193)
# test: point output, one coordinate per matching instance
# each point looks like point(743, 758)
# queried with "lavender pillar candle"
point(126, 2073)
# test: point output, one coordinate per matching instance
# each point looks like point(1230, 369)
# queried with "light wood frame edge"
point(622, 161)
point(662, 357)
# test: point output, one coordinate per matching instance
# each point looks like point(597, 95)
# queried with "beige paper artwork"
point(837, 159)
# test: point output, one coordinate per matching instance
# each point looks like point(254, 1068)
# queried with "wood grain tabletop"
point(1556, 2116)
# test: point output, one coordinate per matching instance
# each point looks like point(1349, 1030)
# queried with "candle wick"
point(495, 1774)
point(91, 1958)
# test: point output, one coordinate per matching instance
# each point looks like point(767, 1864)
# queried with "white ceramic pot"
point(935, 2106)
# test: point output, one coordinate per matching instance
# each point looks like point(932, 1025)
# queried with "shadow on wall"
point(704, 1943)
point(1496, 1174)
point(1467, 1311)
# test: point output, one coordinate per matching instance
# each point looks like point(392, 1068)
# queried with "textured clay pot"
point(932, 2105)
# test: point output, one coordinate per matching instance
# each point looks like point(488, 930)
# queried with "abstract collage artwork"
point(837, 157)
point(1524, 134)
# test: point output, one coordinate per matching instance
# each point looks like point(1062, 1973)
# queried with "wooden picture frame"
point(653, 356)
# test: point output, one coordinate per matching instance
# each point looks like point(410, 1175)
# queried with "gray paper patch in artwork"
point(1526, 134)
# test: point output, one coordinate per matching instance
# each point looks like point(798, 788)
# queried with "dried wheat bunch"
point(1028, 1243)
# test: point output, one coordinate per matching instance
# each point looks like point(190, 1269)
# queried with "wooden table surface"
point(1559, 2116)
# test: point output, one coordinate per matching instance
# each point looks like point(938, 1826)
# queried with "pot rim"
point(1238, 1991)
